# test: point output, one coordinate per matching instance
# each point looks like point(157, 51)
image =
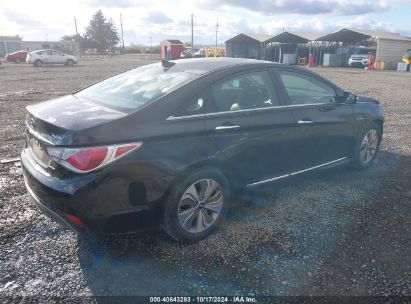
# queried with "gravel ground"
point(331, 232)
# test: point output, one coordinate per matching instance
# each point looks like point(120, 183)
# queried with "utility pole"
point(216, 33)
point(151, 41)
point(192, 31)
point(77, 40)
point(121, 26)
point(75, 25)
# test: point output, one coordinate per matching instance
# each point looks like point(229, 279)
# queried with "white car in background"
point(41, 57)
point(360, 58)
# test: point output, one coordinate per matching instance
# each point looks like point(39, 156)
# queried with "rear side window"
point(305, 89)
point(194, 106)
point(245, 91)
point(132, 89)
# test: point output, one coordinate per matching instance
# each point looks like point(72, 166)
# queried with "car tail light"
point(82, 160)
point(88, 159)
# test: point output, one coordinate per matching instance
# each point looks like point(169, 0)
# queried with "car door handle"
point(305, 122)
point(226, 127)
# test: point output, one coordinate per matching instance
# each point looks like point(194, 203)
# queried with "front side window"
point(134, 88)
point(305, 89)
point(243, 92)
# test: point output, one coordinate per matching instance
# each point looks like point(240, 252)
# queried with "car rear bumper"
point(103, 202)
point(50, 213)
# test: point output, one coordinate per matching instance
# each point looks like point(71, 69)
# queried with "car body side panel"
point(261, 147)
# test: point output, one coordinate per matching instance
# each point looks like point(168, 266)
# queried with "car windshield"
point(134, 88)
point(362, 52)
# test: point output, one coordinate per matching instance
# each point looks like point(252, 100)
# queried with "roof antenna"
point(167, 64)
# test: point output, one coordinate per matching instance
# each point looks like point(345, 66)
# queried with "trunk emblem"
point(57, 137)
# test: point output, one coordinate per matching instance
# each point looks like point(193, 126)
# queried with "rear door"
point(246, 121)
point(324, 124)
point(42, 55)
point(48, 56)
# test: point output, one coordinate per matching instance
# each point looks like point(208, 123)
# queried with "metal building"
point(287, 47)
point(10, 44)
point(390, 46)
point(247, 46)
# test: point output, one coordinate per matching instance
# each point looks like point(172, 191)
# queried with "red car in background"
point(17, 57)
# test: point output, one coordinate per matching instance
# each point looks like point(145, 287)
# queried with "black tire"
point(38, 63)
point(171, 223)
point(358, 161)
point(69, 62)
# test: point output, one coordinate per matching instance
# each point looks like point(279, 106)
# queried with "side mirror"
point(350, 98)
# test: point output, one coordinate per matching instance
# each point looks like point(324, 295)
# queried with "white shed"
point(390, 51)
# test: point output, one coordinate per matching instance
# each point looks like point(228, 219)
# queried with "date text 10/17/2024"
point(199, 299)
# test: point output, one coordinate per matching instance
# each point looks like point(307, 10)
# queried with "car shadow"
point(59, 66)
point(265, 247)
point(52, 66)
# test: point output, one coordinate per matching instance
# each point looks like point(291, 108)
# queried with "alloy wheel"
point(200, 205)
point(369, 146)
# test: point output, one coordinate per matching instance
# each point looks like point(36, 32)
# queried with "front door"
point(324, 131)
point(249, 126)
point(57, 57)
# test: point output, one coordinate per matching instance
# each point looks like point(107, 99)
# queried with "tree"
point(83, 40)
point(113, 37)
point(71, 38)
point(102, 34)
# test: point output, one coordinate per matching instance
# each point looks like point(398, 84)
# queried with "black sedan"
point(170, 144)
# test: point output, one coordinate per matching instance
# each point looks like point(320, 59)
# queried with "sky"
point(146, 22)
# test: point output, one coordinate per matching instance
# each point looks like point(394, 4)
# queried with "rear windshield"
point(134, 88)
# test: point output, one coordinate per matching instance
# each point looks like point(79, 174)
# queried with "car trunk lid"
point(60, 121)
point(70, 113)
